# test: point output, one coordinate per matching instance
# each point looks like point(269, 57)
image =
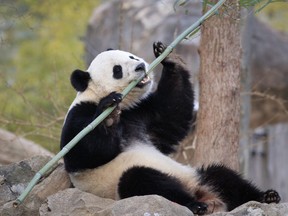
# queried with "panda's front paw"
point(171, 59)
point(271, 196)
point(199, 208)
point(158, 48)
point(112, 99)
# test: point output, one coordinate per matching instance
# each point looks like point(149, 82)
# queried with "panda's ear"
point(80, 79)
point(109, 49)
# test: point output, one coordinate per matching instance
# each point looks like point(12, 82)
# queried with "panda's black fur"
point(126, 155)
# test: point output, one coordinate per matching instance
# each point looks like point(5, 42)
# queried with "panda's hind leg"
point(232, 188)
point(138, 181)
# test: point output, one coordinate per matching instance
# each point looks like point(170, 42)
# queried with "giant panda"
point(128, 153)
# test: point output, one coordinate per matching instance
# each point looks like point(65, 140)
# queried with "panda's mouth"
point(144, 82)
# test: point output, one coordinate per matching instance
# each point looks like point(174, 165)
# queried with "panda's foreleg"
point(112, 99)
point(172, 103)
point(232, 188)
point(99, 146)
point(174, 92)
point(139, 180)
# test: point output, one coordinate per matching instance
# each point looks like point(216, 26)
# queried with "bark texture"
point(219, 115)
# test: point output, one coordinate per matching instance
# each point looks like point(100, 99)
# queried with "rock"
point(257, 209)
point(52, 196)
point(151, 205)
point(74, 202)
point(14, 179)
point(15, 148)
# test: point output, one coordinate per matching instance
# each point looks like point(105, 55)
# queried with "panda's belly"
point(103, 181)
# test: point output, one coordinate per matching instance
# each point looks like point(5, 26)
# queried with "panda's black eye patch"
point(132, 57)
point(117, 72)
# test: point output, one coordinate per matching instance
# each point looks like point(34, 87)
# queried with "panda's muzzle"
point(142, 68)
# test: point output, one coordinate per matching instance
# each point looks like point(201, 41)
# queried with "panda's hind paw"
point(271, 196)
point(158, 48)
point(199, 208)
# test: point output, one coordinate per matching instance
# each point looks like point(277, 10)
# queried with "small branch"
point(279, 101)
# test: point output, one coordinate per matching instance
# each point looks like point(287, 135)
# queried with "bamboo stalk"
point(188, 32)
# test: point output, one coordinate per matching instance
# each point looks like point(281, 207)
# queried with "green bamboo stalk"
point(188, 32)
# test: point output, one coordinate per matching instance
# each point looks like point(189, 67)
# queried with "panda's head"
point(111, 71)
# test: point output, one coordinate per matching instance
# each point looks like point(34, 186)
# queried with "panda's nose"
point(140, 67)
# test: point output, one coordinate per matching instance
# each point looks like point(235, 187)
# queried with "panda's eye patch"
point(117, 72)
point(132, 57)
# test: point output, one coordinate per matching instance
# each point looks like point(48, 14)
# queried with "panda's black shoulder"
point(79, 116)
point(86, 108)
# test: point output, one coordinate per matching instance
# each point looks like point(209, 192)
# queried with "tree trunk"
point(217, 128)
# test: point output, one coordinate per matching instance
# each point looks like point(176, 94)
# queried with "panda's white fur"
point(102, 82)
point(139, 154)
point(104, 180)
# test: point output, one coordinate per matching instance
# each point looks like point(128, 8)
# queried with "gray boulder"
point(257, 209)
point(74, 202)
point(16, 148)
point(14, 179)
point(53, 196)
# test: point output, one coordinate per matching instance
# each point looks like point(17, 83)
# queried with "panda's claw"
point(110, 100)
point(117, 98)
point(158, 48)
point(271, 196)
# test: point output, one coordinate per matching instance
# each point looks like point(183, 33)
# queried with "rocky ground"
point(54, 196)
